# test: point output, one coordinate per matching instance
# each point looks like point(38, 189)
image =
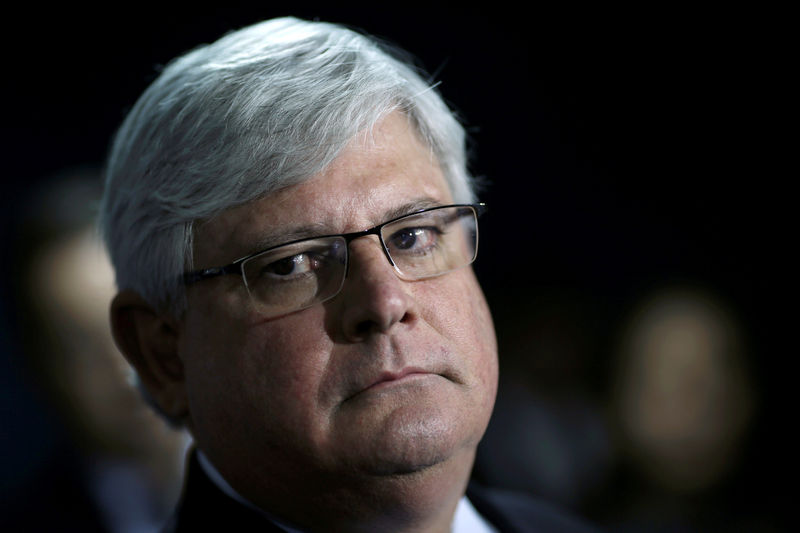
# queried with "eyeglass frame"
point(190, 278)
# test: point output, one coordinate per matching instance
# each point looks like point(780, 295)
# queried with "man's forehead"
point(380, 176)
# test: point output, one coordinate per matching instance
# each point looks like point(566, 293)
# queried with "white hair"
point(260, 109)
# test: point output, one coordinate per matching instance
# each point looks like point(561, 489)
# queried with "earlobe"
point(149, 341)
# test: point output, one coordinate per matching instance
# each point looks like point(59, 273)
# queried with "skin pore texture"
point(362, 413)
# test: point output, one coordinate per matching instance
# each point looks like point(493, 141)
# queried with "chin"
point(411, 447)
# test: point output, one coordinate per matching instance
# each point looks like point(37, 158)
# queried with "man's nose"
point(374, 298)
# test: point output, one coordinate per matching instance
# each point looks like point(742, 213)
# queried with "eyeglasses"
point(296, 275)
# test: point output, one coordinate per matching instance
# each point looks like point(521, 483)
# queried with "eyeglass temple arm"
point(198, 275)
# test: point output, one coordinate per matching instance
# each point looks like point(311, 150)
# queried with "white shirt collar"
point(466, 519)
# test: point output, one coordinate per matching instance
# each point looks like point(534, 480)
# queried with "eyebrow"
point(289, 235)
point(409, 208)
point(319, 229)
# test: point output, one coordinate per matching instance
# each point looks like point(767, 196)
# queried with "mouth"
point(389, 379)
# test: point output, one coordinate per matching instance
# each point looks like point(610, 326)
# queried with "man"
point(291, 223)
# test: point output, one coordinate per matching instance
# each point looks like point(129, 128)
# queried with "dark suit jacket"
point(204, 507)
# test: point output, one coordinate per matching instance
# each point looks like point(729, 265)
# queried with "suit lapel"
point(204, 507)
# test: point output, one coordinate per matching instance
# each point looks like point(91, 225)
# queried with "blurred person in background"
point(120, 467)
point(683, 403)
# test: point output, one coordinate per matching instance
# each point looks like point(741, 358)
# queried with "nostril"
point(363, 328)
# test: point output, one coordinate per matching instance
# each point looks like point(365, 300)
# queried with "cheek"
point(288, 358)
point(459, 312)
point(242, 373)
point(284, 361)
point(485, 343)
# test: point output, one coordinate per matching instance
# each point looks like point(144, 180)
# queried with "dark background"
point(624, 151)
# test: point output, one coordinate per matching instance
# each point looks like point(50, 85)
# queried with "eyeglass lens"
point(421, 245)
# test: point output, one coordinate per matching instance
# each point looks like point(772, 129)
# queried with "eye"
point(417, 239)
point(292, 266)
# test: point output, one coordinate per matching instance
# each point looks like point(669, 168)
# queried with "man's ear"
point(149, 341)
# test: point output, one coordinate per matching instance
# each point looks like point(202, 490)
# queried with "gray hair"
point(260, 109)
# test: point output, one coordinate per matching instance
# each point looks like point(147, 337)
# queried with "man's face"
point(388, 377)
